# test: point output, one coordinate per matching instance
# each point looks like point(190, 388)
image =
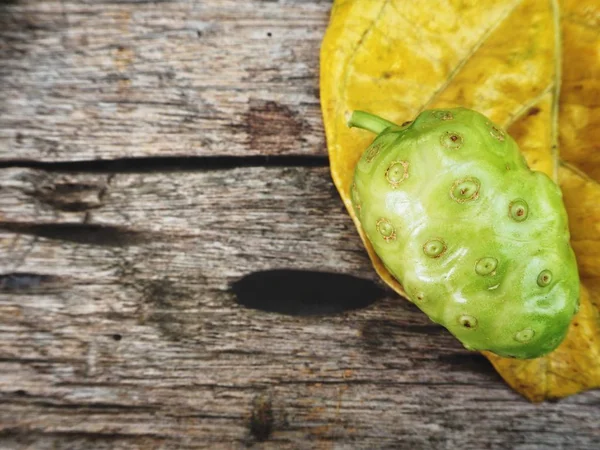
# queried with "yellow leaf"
point(503, 58)
point(580, 94)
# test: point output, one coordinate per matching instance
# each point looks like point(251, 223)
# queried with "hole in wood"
point(23, 281)
point(305, 293)
point(262, 418)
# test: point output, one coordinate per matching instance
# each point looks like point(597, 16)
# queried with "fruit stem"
point(369, 122)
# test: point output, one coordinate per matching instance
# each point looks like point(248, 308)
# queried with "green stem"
point(369, 122)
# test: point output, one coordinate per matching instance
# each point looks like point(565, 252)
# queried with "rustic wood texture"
point(107, 79)
point(120, 327)
point(120, 330)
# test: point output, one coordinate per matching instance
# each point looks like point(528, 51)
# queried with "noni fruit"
point(478, 240)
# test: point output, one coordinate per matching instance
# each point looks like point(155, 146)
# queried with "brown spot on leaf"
point(534, 110)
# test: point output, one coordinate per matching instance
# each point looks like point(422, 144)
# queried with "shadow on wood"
point(305, 293)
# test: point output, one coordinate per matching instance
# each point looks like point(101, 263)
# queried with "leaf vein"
point(484, 37)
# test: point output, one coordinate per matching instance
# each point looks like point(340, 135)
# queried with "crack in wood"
point(84, 233)
point(168, 163)
point(88, 435)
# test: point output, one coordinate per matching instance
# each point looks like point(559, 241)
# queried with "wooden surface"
point(112, 79)
point(123, 320)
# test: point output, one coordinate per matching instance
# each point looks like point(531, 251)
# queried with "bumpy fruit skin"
point(478, 240)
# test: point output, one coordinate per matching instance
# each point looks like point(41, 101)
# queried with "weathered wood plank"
point(108, 79)
point(238, 220)
point(118, 324)
point(128, 335)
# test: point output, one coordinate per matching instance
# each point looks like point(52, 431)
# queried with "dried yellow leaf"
point(504, 59)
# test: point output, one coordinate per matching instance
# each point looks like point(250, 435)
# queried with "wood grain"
point(137, 341)
point(152, 155)
point(112, 79)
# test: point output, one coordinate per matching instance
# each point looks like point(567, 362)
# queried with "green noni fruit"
point(478, 240)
